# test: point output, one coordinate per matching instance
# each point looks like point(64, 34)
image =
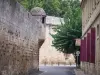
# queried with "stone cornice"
point(92, 19)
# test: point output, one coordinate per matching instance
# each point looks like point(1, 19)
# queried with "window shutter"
point(88, 47)
point(85, 49)
point(92, 59)
point(81, 51)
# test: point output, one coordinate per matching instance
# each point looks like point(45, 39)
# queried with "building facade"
point(21, 35)
point(90, 43)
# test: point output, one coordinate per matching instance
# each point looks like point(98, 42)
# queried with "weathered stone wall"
point(19, 39)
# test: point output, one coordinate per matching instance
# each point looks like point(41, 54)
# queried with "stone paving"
point(79, 72)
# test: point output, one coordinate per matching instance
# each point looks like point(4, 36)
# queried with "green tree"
point(29, 4)
point(64, 39)
point(52, 7)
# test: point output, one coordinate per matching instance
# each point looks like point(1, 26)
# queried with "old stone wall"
point(19, 39)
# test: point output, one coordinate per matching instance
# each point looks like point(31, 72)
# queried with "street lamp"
point(77, 43)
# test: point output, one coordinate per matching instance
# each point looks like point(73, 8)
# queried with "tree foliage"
point(64, 39)
point(29, 4)
point(52, 7)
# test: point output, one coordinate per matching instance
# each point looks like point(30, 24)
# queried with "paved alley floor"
point(57, 70)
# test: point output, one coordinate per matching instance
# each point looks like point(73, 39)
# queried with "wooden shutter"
point(88, 47)
point(92, 59)
point(81, 51)
point(84, 49)
point(85, 43)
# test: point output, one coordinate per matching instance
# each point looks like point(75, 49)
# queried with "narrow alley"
point(49, 37)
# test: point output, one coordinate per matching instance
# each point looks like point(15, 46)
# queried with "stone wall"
point(19, 39)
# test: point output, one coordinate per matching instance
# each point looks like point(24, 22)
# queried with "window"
point(43, 19)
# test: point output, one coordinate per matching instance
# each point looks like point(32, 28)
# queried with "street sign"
point(77, 53)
